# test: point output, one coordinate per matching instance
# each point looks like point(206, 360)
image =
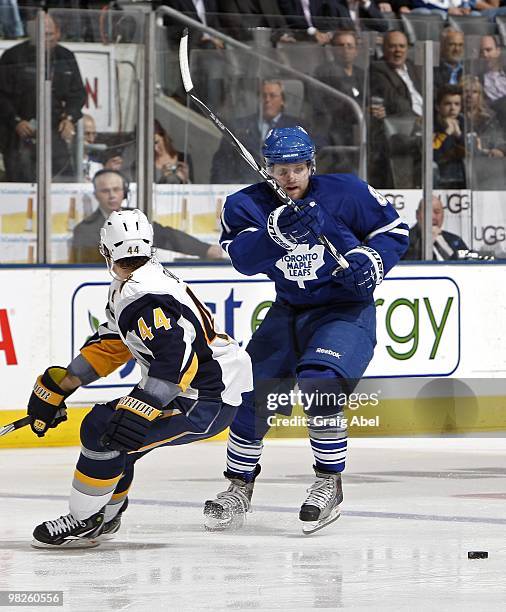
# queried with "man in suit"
point(395, 91)
point(111, 189)
point(227, 165)
point(312, 20)
point(451, 65)
point(315, 20)
point(396, 80)
point(208, 68)
point(445, 245)
point(343, 75)
point(239, 17)
point(493, 76)
point(18, 105)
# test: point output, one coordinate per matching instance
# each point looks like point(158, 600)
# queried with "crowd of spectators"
point(362, 49)
point(378, 74)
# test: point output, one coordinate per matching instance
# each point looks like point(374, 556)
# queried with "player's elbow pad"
point(243, 261)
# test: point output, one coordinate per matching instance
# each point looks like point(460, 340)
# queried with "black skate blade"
point(312, 527)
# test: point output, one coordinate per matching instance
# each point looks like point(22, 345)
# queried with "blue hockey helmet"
point(288, 145)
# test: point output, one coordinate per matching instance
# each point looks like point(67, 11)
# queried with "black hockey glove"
point(365, 272)
point(46, 405)
point(129, 426)
point(288, 227)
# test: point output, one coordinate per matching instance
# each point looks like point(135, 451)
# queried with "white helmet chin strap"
point(110, 263)
point(108, 260)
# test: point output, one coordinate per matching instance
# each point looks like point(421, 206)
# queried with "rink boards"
point(438, 365)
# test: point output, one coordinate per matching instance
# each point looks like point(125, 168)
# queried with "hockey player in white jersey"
point(192, 381)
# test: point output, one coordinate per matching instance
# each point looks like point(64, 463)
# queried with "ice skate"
point(322, 504)
point(112, 526)
point(69, 532)
point(228, 510)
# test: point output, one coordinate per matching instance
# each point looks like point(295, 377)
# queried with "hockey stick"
point(16, 425)
point(245, 154)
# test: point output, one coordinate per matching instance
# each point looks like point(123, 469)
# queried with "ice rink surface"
point(412, 511)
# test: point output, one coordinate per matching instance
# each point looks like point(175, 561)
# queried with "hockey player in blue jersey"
point(321, 329)
point(192, 380)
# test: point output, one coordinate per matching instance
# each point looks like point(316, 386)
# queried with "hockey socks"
point(243, 456)
point(329, 440)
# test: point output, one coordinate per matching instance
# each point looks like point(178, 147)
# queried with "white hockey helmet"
point(126, 233)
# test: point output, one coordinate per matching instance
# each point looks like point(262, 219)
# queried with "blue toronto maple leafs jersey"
point(354, 213)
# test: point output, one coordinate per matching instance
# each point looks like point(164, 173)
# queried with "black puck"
point(477, 554)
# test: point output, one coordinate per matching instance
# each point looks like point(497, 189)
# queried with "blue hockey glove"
point(365, 272)
point(129, 426)
point(46, 405)
point(289, 227)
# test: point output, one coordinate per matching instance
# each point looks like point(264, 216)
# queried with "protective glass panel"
point(484, 111)
point(95, 67)
point(277, 81)
point(18, 127)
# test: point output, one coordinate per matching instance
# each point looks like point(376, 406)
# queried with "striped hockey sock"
point(328, 442)
point(243, 455)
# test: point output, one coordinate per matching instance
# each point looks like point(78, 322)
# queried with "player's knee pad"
point(94, 425)
point(322, 390)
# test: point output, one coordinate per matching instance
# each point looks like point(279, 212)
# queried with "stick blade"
point(6, 429)
point(184, 64)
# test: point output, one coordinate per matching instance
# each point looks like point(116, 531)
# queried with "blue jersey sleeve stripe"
point(403, 232)
point(385, 228)
point(223, 222)
point(225, 244)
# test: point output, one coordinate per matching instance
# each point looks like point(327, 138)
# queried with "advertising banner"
point(429, 321)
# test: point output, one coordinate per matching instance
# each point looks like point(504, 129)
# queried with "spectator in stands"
point(313, 21)
point(451, 65)
point(448, 140)
point(493, 76)
point(239, 18)
point(91, 164)
point(114, 157)
point(99, 155)
point(343, 75)
point(446, 7)
point(484, 133)
point(227, 165)
point(395, 92)
point(18, 105)
point(170, 164)
point(205, 12)
point(111, 190)
point(209, 71)
point(490, 8)
point(396, 80)
point(401, 6)
point(368, 14)
point(11, 25)
point(445, 245)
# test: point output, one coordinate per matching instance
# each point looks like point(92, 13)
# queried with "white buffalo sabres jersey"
point(156, 319)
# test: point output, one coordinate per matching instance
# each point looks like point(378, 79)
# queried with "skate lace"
point(234, 498)
point(63, 524)
point(320, 493)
